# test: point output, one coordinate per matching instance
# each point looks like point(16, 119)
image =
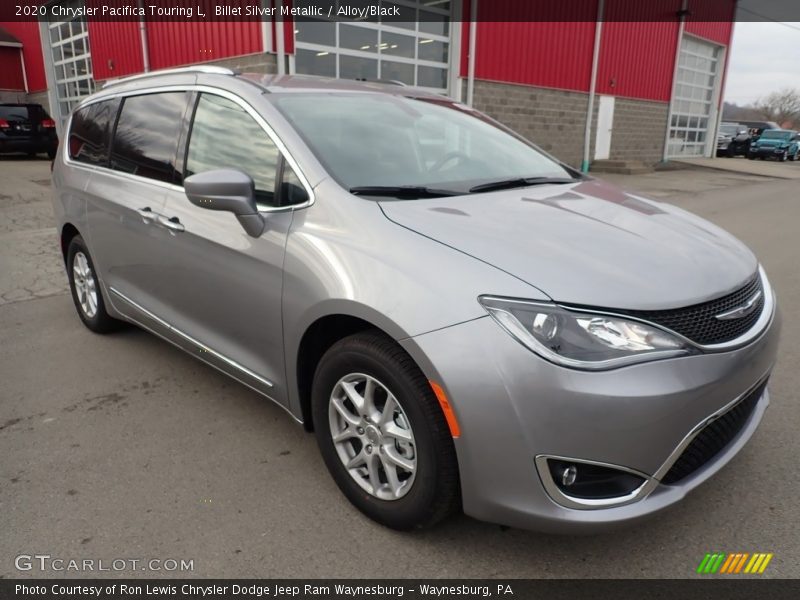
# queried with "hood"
point(772, 142)
point(587, 243)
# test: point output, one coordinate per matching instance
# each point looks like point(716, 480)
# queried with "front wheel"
point(85, 288)
point(784, 156)
point(382, 433)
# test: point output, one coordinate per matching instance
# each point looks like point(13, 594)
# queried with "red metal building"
point(645, 76)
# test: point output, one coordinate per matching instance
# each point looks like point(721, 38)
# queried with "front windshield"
point(772, 134)
point(366, 139)
point(729, 129)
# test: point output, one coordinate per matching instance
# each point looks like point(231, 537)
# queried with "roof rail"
point(210, 69)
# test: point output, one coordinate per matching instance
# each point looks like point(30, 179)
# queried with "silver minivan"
point(465, 322)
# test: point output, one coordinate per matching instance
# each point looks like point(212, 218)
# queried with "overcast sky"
point(765, 58)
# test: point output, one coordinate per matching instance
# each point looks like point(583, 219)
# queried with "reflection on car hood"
point(587, 243)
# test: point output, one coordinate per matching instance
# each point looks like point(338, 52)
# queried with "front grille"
point(714, 437)
point(698, 322)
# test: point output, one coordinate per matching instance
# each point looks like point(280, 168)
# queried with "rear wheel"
point(85, 288)
point(51, 154)
point(382, 433)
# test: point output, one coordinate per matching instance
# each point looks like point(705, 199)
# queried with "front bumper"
point(768, 151)
point(513, 406)
point(27, 144)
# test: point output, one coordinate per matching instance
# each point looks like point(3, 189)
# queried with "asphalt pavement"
point(122, 447)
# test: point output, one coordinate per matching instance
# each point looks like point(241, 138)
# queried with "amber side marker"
point(449, 415)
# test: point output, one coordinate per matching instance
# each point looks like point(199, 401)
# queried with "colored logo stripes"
point(739, 562)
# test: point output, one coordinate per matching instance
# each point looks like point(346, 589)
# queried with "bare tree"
point(781, 107)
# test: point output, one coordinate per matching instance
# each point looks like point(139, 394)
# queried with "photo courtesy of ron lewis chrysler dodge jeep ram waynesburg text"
point(464, 321)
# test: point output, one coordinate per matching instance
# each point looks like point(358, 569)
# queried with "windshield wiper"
point(402, 191)
point(516, 182)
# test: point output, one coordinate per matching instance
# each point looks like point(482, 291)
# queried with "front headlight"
point(582, 340)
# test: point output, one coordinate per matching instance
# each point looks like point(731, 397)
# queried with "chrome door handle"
point(148, 216)
point(173, 224)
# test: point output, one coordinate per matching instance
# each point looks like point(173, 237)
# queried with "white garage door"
point(71, 61)
point(413, 53)
point(693, 106)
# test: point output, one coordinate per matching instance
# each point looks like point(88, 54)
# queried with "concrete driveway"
point(740, 164)
point(121, 447)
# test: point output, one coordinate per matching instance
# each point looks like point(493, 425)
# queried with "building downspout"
point(587, 134)
point(473, 34)
point(280, 48)
point(24, 72)
point(143, 38)
point(681, 27)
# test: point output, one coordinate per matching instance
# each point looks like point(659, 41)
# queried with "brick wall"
point(555, 120)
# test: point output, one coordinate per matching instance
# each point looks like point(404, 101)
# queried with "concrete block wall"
point(13, 96)
point(640, 128)
point(251, 63)
point(555, 120)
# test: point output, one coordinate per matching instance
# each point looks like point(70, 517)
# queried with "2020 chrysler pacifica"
point(464, 321)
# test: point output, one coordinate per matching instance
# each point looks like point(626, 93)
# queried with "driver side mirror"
point(229, 190)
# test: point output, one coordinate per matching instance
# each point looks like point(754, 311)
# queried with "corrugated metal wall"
point(11, 70)
point(28, 33)
point(549, 54)
point(712, 20)
point(637, 59)
point(637, 53)
point(116, 46)
point(174, 44)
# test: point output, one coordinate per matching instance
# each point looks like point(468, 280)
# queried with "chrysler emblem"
point(741, 311)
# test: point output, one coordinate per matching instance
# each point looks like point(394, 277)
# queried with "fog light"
point(592, 481)
point(569, 475)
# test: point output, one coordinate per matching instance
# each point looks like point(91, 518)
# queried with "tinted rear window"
point(34, 112)
point(146, 138)
point(90, 134)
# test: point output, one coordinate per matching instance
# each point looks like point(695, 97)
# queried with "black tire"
point(100, 321)
point(784, 156)
point(51, 154)
point(435, 492)
point(751, 157)
point(31, 154)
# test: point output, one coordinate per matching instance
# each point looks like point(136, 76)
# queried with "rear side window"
point(14, 113)
point(146, 138)
point(90, 134)
point(224, 135)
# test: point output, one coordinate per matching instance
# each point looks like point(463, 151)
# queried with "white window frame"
point(446, 65)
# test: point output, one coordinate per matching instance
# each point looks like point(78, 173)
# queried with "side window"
point(224, 135)
point(90, 134)
point(146, 138)
point(292, 191)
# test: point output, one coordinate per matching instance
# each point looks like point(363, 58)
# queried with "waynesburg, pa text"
point(254, 590)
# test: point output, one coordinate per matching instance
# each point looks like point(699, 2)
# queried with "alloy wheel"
point(372, 436)
point(85, 286)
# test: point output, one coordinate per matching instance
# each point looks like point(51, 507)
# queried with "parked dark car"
point(780, 144)
point(733, 139)
point(27, 128)
point(756, 128)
